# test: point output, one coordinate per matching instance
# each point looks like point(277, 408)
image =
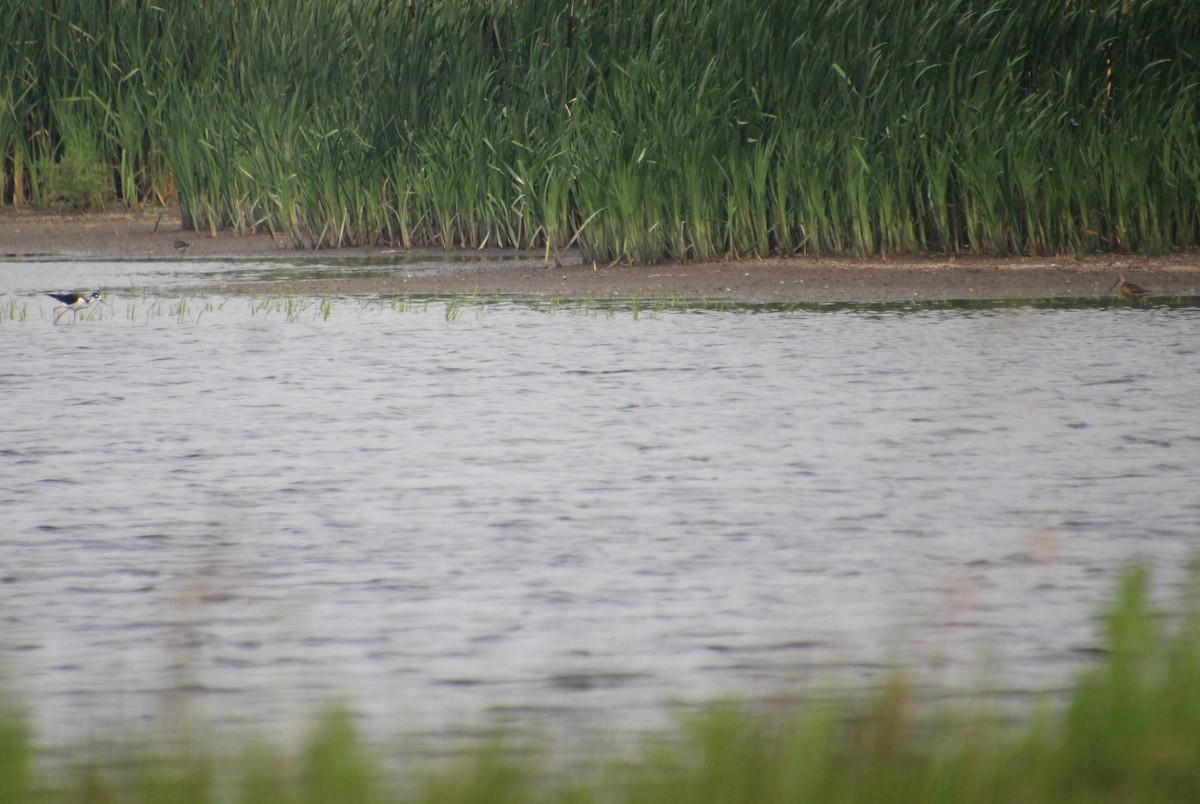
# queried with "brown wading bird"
point(1128, 289)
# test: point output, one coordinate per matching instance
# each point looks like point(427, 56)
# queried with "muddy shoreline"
point(150, 235)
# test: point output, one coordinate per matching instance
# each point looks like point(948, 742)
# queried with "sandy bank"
point(151, 235)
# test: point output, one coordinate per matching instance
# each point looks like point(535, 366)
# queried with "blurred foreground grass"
point(1129, 731)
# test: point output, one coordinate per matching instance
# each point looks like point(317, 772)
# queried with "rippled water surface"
point(459, 515)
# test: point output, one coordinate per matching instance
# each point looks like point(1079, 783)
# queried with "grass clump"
point(16, 755)
point(1132, 728)
point(77, 181)
point(1129, 731)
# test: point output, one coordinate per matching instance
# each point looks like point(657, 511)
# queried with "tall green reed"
point(637, 129)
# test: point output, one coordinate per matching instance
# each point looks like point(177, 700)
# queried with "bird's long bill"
point(1114, 285)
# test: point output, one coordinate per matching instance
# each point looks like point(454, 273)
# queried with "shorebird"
point(181, 246)
point(73, 302)
point(1128, 289)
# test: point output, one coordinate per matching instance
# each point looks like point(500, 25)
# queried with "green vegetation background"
point(638, 129)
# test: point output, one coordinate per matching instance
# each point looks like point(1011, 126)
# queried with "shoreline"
point(150, 235)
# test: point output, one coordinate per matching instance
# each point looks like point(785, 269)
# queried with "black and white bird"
point(73, 302)
point(180, 246)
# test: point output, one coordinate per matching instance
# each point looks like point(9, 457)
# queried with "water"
point(456, 516)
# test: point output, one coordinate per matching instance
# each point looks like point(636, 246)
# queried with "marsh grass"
point(146, 308)
point(13, 309)
point(635, 129)
point(1129, 730)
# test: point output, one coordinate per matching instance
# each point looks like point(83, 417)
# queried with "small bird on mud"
point(1128, 289)
point(181, 246)
point(73, 302)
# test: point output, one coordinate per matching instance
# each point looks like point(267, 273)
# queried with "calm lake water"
point(453, 516)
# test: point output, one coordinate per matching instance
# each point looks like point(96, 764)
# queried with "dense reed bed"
point(638, 129)
point(1129, 731)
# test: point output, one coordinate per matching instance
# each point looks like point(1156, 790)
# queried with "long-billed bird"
point(1128, 289)
point(73, 302)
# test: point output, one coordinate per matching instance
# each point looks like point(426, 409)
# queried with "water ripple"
point(528, 513)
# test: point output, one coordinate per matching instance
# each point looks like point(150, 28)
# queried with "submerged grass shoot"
point(13, 309)
point(185, 309)
point(636, 130)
